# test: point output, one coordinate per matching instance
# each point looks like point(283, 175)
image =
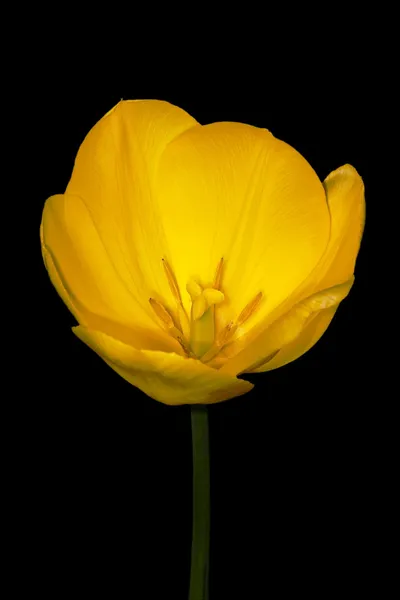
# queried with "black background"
point(108, 470)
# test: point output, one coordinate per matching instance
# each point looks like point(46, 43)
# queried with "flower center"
point(202, 319)
point(197, 335)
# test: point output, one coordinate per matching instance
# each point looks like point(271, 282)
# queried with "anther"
point(226, 333)
point(185, 346)
point(164, 316)
point(249, 309)
point(218, 275)
point(172, 281)
point(173, 284)
point(162, 313)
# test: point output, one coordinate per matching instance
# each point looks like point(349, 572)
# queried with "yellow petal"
point(345, 195)
point(344, 190)
point(69, 235)
point(60, 286)
point(166, 377)
point(308, 337)
point(108, 219)
point(134, 335)
point(234, 191)
point(285, 329)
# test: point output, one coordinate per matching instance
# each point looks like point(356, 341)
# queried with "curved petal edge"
point(165, 377)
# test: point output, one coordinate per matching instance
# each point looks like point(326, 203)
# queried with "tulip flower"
point(192, 254)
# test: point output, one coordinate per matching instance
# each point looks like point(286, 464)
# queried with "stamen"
point(183, 321)
point(164, 316)
point(197, 335)
point(173, 284)
point(172, 281)
point(220, 342)
point(226, 333)
point(211, 353)
point(230, 329)
point(162, 313)
point(185, 346)
point(249, 309)
point(218, 275)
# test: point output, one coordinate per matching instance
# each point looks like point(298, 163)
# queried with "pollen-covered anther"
point(173, 284)
point(185, 346)
point(218, 275)
point(162, 313)
point(226, 333)
point(249, 309)
point(168, 322)
point(172, 281)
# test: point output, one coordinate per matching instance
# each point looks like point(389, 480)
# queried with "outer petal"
point(168, 378)
point(309, 336)
point(108, 221)
point(345, 196)
point(285, 330)
point(56, 280)
point(233, 190)
point(84, 277)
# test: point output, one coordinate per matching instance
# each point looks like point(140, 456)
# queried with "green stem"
point(201, 504)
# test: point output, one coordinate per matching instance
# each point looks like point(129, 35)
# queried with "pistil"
point(197, 335)
point(202, 325)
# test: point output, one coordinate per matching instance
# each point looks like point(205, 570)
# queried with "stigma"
point(197, 334)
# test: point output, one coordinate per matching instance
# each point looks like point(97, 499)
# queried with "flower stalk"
point(201, 504)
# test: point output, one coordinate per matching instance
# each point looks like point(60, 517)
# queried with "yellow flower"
point(191, 254)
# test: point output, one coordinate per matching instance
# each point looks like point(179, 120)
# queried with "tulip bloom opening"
point(192, 254)
point(198, 338)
